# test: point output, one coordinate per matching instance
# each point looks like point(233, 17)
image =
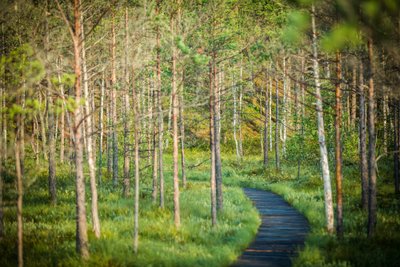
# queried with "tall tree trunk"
point(240, 113)
point(321, 132)
point(212, 149)
point(372, 216)
point(175, 153)
point(235, 118)
point(137, 169)
point(19, 174)
point(50, 118)
point(363, 140)
point(285, 107)
point(126, 111)
point(277, 164)
point(217, 139)
point(101, 129)
point(81, 225)
point(338, 149)
point(182, 132)
point(160, 114)
point(114, 103)
point(266, 109)
point(89, 139)
point(396, 134)
point(354, 98)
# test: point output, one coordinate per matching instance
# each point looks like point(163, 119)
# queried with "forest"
point(132, 130)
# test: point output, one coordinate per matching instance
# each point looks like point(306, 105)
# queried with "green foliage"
point(298, 22)
point(341, 36)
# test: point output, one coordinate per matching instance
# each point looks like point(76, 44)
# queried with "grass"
point(49, 231)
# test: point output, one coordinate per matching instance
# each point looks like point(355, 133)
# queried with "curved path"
point(282, 231)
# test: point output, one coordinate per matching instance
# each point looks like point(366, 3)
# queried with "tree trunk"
point(160, 114)
point(372, 216)
point(137, 169)
point(126, 111)
point(321, 132)
point(217, 139)
point(101, 130)
point(338, 148)
point(52, 150)
point(396, 132)
point(354, 98)
point(89, 140)
point(81, 226)
point(277, 164)
point(175, 112)
point(235, 118)
point(18, 169)
point(114, 103)
point(266, 117)
point(363, 140)
point(182, 132)
point(212, 148)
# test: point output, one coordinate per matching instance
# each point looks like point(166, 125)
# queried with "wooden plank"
point(282, 231)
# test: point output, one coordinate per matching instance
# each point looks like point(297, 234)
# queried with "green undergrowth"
point(49, 231)
point(305, 193)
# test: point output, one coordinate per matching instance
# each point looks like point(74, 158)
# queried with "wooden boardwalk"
point(282, 231)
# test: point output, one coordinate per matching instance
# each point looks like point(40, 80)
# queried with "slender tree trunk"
point(126, 111)
point(321, 132)
point(182, 132)
point(114, 103)
point(89, 140)
point(354, 98)
point(240, 113)
point(217, 139)
point(266, 109)
point(175, 112)
point(50, 119)
point(101, 130)
point(235, 118)
point(137, 169)
point(20, 192)
point(212, 148)
point(285, 107)
point(277, 164)
point(270, 112)
point(363, 140)
point(385, 118)
point(338, 150)
point(160, 113)
point(52, 151)
point(372, 206)
point(81, 225)
point(396, 134)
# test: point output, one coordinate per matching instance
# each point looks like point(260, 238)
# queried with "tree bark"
point(217, 139)
point(137, 170)
point(175, 153)
point(160, 113)
point(363, 140)
point(277, 164)
point(114, 103)
point(101, 130)
point(19, 173)
point(81, 225)
point(372, 205)
point(338, 148)
point(182, 132)
point(126, 112)
point(266, 117)
point(212, 149)
point(89, 139)
point(396, 132)
point(321, 131)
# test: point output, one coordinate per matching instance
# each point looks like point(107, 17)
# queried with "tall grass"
point(49, 231)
